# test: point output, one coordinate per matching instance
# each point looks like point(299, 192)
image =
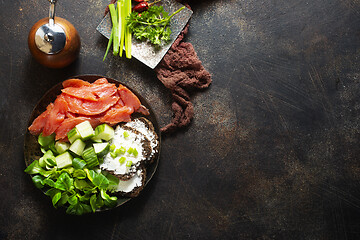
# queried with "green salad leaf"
point(69, 181)
point(34, 168)
point(56, 198)
point(38, 181)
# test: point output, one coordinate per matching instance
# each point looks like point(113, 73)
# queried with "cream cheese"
point(141, 127)
point(120, 140)
point(131, 184)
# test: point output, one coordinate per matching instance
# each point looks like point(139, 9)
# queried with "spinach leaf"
point(51, 192)
point(93, 202)
point(113, 181)
point(75, 209)
point(49, 182)
point(63, 200)
point(82, 184)
point(34, 168)
point(56, 198)
point(100, 181)
point(86, 208)
point(38, 181)
point(73, 200)
point(84, 198)
point(64, 182)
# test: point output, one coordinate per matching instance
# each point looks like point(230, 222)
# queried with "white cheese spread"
point(126, 141)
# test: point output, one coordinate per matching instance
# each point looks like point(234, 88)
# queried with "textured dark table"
point(272, 153)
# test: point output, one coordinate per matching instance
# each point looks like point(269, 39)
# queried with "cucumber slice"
point(85, 130)
point(96, 140)
point(77, 147)
point(90, 157)
point(61, 147)
point(104, 132)
point(64, 160)
point(73, 134)
point(101, 149)
point(45, 141)
point(78, 163)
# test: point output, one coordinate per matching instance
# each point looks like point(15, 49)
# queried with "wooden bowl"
point(31, 145)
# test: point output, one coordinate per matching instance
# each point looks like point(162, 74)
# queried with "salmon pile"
point(98, 102)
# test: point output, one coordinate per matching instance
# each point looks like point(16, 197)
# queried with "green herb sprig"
point(152, 24)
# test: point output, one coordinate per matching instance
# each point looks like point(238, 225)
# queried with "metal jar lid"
point(50, 38)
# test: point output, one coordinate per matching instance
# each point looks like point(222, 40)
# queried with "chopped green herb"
point(122, 160)
point(130, 150)
point(112, 147)
point(135, 152)
point(152, 25)
point(113, 155)
point(120, 151)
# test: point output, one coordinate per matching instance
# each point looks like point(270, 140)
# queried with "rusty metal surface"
point(145, 52)
point(273, 150)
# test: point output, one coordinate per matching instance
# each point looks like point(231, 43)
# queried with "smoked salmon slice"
point(38, 124)
point(98, 102)
point(129, 98)
point(56, 116)
point(101, 81)
point(73, 82)
point(117, 113)
point(86, 107)
point(92, 92)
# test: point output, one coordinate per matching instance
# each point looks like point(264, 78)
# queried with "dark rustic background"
point(272, 153)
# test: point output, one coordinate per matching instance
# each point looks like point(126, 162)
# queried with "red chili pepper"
point(140, 1)
point(143, 6)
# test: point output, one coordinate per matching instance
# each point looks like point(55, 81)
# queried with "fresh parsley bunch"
point(152, 24)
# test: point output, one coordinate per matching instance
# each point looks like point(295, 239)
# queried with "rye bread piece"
point(133, 186)
point(113, 166)
point(146, 143)
point(146, 127)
